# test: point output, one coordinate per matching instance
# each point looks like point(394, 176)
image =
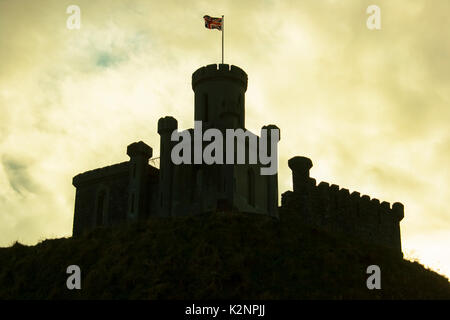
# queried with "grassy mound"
point(216, 256)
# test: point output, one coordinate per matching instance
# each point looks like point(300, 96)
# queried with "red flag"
point(213, 23)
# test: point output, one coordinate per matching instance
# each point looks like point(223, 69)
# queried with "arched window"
point(205, 108)
point(251, 187)
point(101, 203)
point(241, 110)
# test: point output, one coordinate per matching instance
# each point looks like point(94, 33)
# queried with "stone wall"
point(113, 180)
point(337, 210)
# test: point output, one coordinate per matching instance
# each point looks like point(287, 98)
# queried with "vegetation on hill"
point(216, 256)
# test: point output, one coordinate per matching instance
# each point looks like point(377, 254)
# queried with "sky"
point(369, 107)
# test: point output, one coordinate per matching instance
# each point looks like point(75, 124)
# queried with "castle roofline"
point(108, 171)
point(213, 72)
point(114, 169)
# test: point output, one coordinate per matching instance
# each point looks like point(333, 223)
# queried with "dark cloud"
point(105, 59)
point(17, 172)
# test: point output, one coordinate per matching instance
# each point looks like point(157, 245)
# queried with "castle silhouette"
point(135, 189)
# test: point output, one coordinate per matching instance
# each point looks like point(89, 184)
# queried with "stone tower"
point(166, 126)
point(220, 96)
point(134, 189)
point(139, 154)
point(219, 103)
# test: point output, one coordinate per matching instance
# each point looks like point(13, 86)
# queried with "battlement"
point(327, 192)
point(336, 209)
point(215, 72)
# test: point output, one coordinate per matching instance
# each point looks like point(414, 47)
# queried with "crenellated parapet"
point(339, 210)
point(217, 72)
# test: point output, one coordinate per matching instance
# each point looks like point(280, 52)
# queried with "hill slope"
point(222, 255)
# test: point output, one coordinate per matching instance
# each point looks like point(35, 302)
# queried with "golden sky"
point(369, 107)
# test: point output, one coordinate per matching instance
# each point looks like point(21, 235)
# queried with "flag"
point(213, 23)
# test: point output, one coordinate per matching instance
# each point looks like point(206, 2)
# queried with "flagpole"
point(223, 31)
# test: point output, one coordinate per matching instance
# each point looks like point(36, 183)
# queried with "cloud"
point(18, 176)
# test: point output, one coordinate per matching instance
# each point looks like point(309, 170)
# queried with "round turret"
point(167, 125)
point(269, 129)
point(300, 165)
point(220, 96)
point(139, 149)
point(300, 173)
